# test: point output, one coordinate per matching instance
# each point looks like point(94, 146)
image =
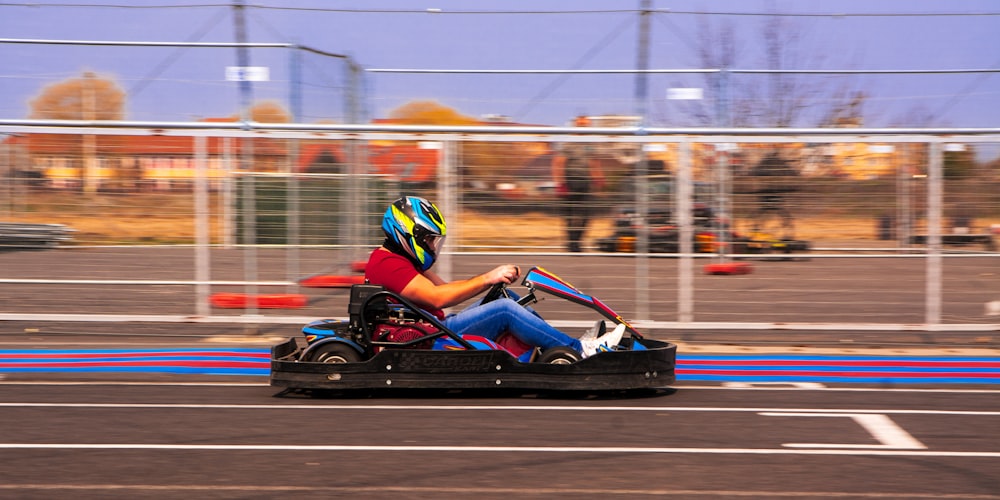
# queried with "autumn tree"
point(268, 111)
point(87, 97)
point(270, 155)
point(480, 160)
point(429, 113)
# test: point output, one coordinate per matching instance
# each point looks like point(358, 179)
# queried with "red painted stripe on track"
point(90, 364)
point(74, 355)
point(845, 373)
point(817, 362)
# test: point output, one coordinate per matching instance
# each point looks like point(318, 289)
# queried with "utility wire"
point(965, 92)
point(281, 36)
point(170, 59)
point(511, 12)
point(556, 83)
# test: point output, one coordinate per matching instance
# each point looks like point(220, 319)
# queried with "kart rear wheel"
point(560, 355)
point(335, 353)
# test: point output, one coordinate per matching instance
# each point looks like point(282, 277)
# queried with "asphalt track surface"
point(833, 290)
point(150, 434)
point(167, 439)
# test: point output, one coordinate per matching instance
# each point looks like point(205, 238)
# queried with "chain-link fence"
point(761, 67)
point(862, 229)
point(182, 82)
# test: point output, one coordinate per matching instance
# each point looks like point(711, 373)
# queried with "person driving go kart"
point(414, 234)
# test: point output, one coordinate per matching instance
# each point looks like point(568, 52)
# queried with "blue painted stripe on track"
point(823, 368)
point(245, 350)
point(132, 359)
point(146, 369)
point(856, 380)
point(816, 357)
point(690, 367)
point(901, 369)
point(252, 361)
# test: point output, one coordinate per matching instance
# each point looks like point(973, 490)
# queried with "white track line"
point(445, 490)
point(494, 449)
point(705, 409)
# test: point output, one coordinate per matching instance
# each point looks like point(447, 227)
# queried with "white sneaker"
point(604, 343)
point(599, 328)
point(614, 338)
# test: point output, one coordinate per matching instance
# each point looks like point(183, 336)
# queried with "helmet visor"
point(434, 242)
point(428, 240)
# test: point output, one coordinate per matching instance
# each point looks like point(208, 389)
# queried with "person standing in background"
point(576, 171)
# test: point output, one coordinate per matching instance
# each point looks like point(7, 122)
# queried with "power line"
point(166, 63)
point(553, 85)
point(832, 14)
point(689, 71)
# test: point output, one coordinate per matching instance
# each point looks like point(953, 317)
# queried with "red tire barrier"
point(241, 300)
point(358, 266)
point(725, 268)
point(331, 281)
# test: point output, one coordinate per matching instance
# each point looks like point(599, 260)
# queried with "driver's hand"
point(506, 273)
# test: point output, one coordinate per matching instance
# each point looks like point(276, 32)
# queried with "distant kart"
point(710, 235)
point(387, 342)
point(771, 219)
point(763, 237)
point(766, 243)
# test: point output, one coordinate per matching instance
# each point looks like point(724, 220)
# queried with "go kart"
point(711, 234)
point(771, 219)
point(388, 342)
point(767, 243)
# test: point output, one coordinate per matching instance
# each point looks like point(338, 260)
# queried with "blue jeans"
point(492, 319)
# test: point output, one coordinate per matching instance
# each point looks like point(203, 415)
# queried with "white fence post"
point(935, 191)
point(685, 267)
point(202, 239)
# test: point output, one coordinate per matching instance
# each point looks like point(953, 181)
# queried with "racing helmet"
point(415, 228)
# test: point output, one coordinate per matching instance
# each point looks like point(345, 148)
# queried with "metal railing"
point(495, 188)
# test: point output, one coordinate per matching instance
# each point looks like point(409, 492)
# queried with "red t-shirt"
point(394, 272)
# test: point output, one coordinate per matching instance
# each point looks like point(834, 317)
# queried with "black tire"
point(335, 353)
point(560, 355)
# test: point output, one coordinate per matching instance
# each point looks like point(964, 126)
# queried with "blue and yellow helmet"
point(415, 227)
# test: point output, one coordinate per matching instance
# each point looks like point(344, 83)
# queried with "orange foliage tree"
point(87, 97)
point(479, 159)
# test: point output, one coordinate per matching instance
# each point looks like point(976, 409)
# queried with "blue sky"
point(182, 84)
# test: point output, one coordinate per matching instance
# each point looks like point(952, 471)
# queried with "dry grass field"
point(103, 219)
point(543, 229)
point(150, 218)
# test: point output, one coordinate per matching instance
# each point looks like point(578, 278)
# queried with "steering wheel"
point(497, 291)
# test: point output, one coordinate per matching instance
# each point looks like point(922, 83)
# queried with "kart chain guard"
point(405, 332)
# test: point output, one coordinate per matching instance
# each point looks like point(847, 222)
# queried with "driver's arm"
point(432, 291)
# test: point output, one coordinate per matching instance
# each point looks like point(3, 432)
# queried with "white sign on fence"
point(248, 73)
point(685, 94)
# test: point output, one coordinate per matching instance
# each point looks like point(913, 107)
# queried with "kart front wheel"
point(335, 353)
point(560, 355)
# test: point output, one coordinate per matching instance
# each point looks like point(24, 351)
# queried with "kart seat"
point(359, 295)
